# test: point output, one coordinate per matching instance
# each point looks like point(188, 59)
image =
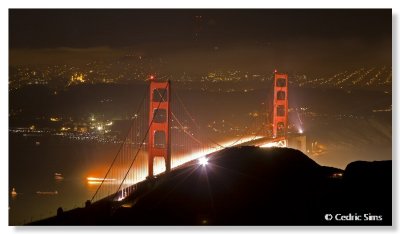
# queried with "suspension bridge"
point(165, 135)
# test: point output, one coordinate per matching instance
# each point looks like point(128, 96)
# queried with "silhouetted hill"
point(246, 186)
point(369, 187)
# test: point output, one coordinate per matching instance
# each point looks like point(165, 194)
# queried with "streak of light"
point(98, 179)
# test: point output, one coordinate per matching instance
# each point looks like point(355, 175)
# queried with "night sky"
point(321, 41)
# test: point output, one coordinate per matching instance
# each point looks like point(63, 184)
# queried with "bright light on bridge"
point(202, 153)
point(269, 145)
point(203, 161)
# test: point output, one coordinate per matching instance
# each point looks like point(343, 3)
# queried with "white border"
point(186, 4)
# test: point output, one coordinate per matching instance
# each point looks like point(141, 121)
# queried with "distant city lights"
point(54, 119)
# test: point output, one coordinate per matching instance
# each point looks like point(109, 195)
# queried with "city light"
point(78, 77)
point(65, 128)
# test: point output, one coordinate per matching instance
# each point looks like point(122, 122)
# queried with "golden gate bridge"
point(160, 140)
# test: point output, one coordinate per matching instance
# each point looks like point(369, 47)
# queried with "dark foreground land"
point(251, 186)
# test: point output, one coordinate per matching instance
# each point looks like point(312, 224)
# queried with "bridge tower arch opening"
point(159, 144)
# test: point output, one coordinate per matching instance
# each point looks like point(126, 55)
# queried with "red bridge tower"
point(280, 118)
point(159, 122)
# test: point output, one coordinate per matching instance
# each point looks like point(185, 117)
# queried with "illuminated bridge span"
point(164, 135)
